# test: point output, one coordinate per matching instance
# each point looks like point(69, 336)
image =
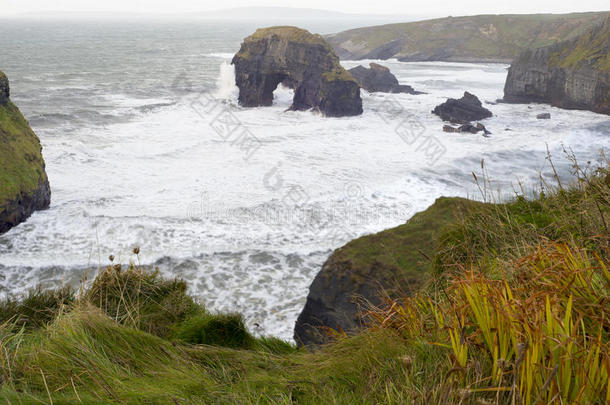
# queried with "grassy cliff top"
point(401, 255)
point(21, 162)
point(289, 33)
point(593, 48)
point(499, 37)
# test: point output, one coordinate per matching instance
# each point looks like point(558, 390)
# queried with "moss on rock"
point(24, 185)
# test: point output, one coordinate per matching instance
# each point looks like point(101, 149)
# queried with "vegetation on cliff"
point(570, 74)
point(468, 39)
point(515, 310)
point(593, 47)
point(23, 181)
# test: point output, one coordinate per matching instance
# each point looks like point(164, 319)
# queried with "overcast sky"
point(402, 7)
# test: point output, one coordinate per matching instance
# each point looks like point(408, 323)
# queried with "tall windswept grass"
point(577, 211)
point(138, 297)
point(542, 334)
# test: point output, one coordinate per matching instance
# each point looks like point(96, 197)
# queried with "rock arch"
point(300, 60)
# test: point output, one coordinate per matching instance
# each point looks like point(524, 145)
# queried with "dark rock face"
point(379, 79)
point(21, 208)
point(544, 116)
point(4, 89)
point(300, 60)
point(389, 263)
point(573, 74)
point(25, 186)
point(473, 129)
point(462, 111)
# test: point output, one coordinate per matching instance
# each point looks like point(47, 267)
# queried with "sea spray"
point(225, 84)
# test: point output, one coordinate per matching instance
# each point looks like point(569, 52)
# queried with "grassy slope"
point(21, 163)
point(401, 256)
point(593, 48)
point(96, 350)
point(499, 37)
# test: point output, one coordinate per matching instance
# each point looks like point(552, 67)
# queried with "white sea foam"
point(250, 231)
point(226, 88)
point(222, 55)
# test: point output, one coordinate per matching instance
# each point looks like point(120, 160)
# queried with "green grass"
point(592, 48)
point(21, 163)
point(401, 257)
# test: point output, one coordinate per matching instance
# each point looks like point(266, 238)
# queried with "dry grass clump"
point(540, 336)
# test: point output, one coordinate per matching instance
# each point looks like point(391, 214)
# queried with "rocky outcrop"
point(393, 262)
point(572, 74)
point(473, 129)
point(24, 187)
point(300, 60)
point(378, 78)
point(463, 110)
point(479, 38)
point(4, 89)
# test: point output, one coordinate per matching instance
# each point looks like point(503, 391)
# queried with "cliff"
point(395, 261)
point(481, 38)
point(302, 61)
point(572, 74)
point(24, 187)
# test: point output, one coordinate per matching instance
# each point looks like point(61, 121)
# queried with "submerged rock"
point(573, 74)
point(463, 110)
point(24, 187)
point(379, 79)
point(393, 262)
point(304, 62)
point(544, 116)
point(473, 129)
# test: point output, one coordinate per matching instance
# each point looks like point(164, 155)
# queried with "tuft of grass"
point(221, 330)
point(37, 308)
point(139, 298)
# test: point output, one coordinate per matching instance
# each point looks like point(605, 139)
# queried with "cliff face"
point(24, 187)
point(571, 74)
point(481, 38)
point(365, 268)
point(302, 61)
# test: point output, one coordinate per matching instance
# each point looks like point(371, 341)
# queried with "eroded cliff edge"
point(300, 60)
point(395, 262)
point(24, 186)
point(573, 74)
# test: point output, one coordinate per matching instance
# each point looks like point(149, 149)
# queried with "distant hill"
point(280, 14)
point(481, 38)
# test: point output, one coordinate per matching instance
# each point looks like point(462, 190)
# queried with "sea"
point(146, 147)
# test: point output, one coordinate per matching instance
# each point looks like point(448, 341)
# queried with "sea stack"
point(24, 187)
point(300, 60)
